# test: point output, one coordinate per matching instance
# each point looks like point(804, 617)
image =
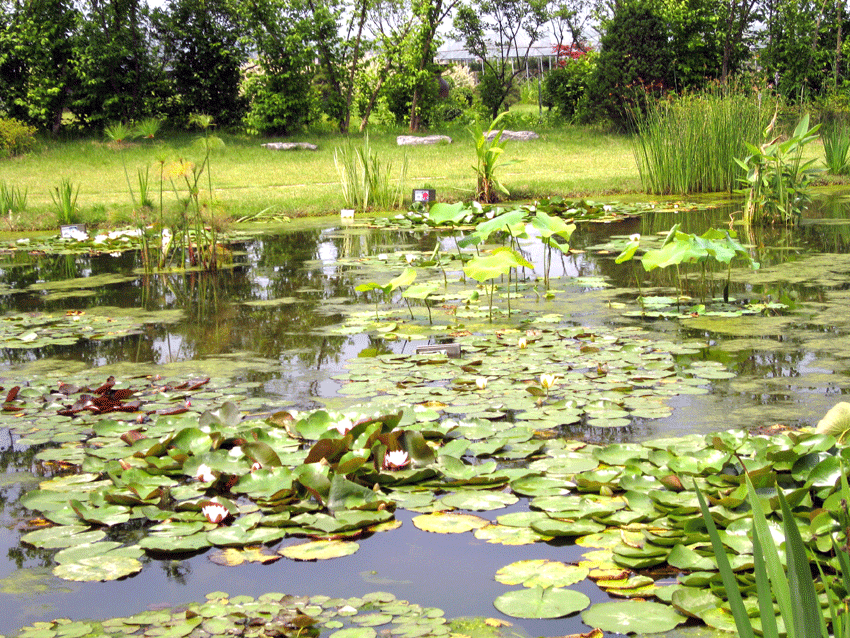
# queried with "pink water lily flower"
point(204, 473)
point(215, 512)
point(396, 459)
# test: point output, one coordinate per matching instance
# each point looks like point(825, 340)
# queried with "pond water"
point(282, 325)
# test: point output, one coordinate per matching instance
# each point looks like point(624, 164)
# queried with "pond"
point(286, 329)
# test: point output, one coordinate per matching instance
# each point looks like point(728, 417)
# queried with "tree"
point(736, 18)
point(635, 59)
point(338, 31)
point(37, 52)
point(204, 47)
point(430, 15)
point(279, 90)
point(492, 31)
point(119, 74)
point(803, 45)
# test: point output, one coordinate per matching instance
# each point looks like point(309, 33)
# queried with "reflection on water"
point(279, 304)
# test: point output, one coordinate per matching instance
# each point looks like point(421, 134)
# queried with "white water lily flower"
point(481, 382)
point(522, 343)
point(215, 512)
point(606, 207)
point(204, 473)
point(547, 380)
point(114, 254)
point(396, 459)
point(256, 466)
point(342, 426)
point(635, 237)
point(409, 258)
point(77, 235)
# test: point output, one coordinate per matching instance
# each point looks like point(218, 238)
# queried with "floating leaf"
point(632, 617)
point(541, 602)
point(319, 550)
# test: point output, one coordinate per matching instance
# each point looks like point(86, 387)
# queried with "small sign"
point(424, 195)
point(71, 231)
point(347, 214)
point(451, 350)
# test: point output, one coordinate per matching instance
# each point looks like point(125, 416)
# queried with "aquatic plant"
point(688, 144)
point(366, 180)
point(489, 147)
point(836, 148)
point(13, 201)
point(550, 227)
point(487, 268)
point(777, 180)
point(719, 246)
point(64, 199)
point(404, 279)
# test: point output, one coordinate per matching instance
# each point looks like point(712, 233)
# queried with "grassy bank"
point(247, 178)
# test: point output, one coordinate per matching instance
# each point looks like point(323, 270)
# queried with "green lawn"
point(247, 178)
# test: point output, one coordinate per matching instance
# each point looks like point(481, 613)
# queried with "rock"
point(409, 140)
point(290, 146)
point(516, 136)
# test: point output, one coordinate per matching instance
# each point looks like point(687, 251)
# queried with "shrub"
point(566, 86)
point(16, 138)
point(278, 104)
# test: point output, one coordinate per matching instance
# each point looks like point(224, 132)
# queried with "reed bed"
point(688, 144)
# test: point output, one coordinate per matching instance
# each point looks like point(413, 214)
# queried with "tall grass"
point(836, 148)
point(688, 144)
point(366, 180)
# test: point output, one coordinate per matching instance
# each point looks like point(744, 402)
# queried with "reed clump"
point(688, 144)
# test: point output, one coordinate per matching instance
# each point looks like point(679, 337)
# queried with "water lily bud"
point(522, 343)
point(635, 238)
point(481, 382)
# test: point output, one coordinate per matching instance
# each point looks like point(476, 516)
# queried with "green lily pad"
point(541, 602)
point(632, 617)
point(319, 550)
point(98, 568)
point(542, 573)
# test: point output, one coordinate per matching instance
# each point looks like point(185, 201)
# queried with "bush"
point(493, 94)
point(278, 104)
point(16, 138)
point(565, 87)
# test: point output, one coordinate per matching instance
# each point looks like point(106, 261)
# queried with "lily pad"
point(541, 602)
point(633, 617)
point(319, 550)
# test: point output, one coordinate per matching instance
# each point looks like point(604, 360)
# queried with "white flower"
point(256, 466)
point(342, 426)
point(396, 459)
point(481, 382)
point(100, 239)
point(409, 258)
point(606, 207)
point(114, 254)
point(76, 234)
point(635, 238)
point(204, 473)
point(23, 241)
point(547, 380)
point(522, 343)
point(215, 512)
